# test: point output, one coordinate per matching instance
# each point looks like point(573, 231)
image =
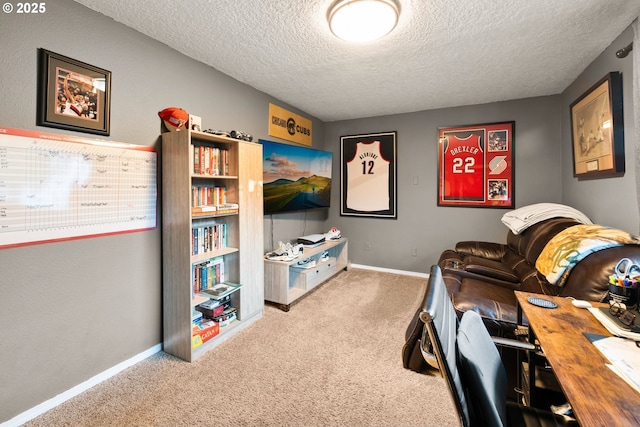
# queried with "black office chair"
point(479, 386)
point(438, 343)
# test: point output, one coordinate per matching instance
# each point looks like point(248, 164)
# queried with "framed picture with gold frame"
point(72, 95)
point(597, 130)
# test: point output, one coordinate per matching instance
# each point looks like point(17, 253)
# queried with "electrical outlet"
point(414, 252)
point(367, 246)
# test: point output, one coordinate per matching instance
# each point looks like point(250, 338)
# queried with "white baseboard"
point(389, 270)
point(72, 392)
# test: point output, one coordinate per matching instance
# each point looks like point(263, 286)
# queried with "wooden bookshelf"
point(243, 259)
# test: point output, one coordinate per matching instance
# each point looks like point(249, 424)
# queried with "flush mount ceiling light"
point(362, 20)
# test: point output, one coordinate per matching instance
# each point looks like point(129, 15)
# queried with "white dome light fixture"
point(363, 20)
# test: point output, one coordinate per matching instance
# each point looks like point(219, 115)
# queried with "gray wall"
point(543, 163)
point(421, 224)
point(610, 201)
point(71, 310)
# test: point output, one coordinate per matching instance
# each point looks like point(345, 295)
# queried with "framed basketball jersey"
point(368, 175)
point(476, 165)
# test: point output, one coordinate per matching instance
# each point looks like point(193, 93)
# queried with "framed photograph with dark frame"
point(368, 178)
point(597, 130)
point(72, 95)
point(476, 165)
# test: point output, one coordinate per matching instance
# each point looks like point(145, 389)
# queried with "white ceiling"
point(443, 53)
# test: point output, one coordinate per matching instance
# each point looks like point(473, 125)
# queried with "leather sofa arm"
point(489, 250)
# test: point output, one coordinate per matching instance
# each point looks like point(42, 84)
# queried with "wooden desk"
point(597, 395)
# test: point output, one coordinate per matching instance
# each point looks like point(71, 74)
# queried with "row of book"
point(210, 160)
point(207, 274)
point(208, 238)
point(206, 195)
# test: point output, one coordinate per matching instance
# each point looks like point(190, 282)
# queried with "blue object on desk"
point(541, 302)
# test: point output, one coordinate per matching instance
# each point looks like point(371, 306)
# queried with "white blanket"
point(522, 218)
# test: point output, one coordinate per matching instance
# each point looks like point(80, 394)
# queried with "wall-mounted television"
point(295, 178)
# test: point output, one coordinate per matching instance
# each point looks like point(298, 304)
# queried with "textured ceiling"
point(443, 53)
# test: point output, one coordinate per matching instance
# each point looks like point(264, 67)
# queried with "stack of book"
point(212, 210)
point(219, 307)
point(220, 311)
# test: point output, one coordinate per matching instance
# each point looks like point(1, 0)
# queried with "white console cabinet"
point(287, 281)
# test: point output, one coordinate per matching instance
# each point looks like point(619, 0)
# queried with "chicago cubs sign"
point(289, 126)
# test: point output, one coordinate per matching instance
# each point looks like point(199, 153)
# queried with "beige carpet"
point(333, 360)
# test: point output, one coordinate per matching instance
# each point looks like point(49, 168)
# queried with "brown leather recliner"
point(482, 276)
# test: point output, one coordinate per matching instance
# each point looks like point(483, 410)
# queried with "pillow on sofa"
point(526, 216)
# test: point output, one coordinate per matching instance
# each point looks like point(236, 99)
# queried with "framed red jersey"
point(476, 165)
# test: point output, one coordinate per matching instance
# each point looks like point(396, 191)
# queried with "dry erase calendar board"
point(59, 187)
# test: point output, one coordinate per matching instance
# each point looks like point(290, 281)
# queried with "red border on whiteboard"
point(73, 138)
point(84, 236)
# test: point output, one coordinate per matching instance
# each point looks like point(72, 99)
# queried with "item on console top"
point(311, 239)
point(285, 252)
point(332, 234)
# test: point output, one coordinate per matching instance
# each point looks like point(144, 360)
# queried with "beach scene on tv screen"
point(295, 178)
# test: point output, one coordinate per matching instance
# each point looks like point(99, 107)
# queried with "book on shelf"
point(208, 238)
point(204, 208)
point(196, 316)
point(228, 316)
point(203, 332)
point(206, 275)
point(213, 308)
point(213, 161)
point(227, 208)
point(220, 290)
point(208, 195)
